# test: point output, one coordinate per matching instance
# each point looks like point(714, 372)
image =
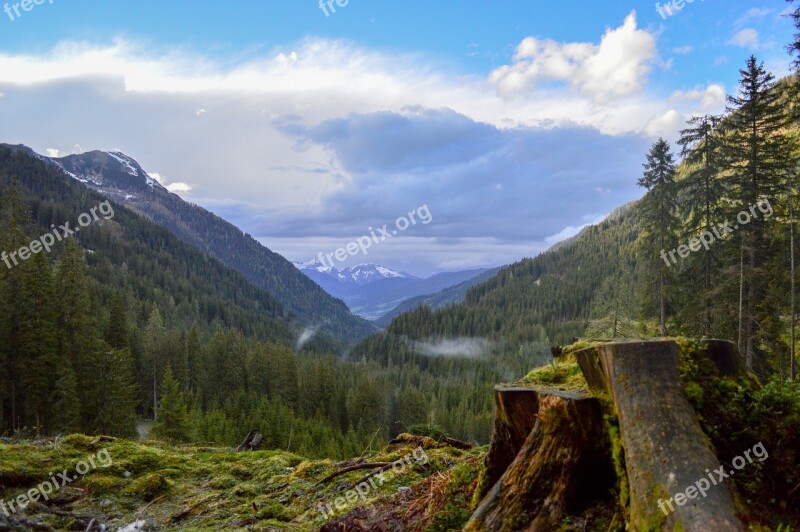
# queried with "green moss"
point(563, 373)
point(457, 510)
point(100, 484)
point(147, 487)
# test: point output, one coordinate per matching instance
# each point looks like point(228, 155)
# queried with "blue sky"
point(515, 122)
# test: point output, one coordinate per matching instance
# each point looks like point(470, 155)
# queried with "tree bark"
point(665, 449)
point(564, 463)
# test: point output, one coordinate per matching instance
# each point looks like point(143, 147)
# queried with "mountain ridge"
point(121, 178)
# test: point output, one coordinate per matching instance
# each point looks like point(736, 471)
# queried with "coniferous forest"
point(163, 325)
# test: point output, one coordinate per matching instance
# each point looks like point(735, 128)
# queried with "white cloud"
point(52, 152)
point(746, 38)
point(576, 136)
point(179, 188)
point(710, 98)
point(615, 68)
point(683, 50)
point(751, 14)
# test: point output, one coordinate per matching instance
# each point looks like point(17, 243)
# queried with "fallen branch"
point(372, 474)
point(354, 468)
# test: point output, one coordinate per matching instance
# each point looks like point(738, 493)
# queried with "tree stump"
point(665, 449)
point(564, 457)
point(515, 415)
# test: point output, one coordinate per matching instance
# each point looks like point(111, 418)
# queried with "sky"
point(513, 123)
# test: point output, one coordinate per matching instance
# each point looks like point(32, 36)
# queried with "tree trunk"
point(516, 408)
point(665, 449)
point(662, 291)
point(739, 344)
point(792, 370)
point(751, 307)
point(564, 463)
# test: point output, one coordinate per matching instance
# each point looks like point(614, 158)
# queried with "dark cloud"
point(479, 181)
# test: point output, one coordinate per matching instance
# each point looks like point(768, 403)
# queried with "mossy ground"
point(191, 488)
point(563, 374)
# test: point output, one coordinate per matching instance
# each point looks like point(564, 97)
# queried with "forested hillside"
point(612, 280)
point(124, 311)
point(110, 175)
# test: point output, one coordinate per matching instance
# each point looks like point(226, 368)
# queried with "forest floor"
point(127, 485)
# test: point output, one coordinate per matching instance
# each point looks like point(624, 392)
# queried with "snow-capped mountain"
point(372, 290)
point(360, 275)
point(109, 170)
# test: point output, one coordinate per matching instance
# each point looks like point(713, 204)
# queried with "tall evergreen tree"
point(173, 415)
point(15, 222)
point(702, 191)
point(37, 348)
point(65, 416)
point(153, 339)
point(77, 337)
point(659, 219)
point(112, 393)
point(116, 334)
point(794, 47)
point(755, 153)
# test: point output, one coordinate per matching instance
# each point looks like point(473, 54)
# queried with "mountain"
point(133, 255)
point(121, 179)
point(449, 296)
point(372, 290)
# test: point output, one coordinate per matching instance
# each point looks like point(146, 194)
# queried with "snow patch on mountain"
point(361, 274)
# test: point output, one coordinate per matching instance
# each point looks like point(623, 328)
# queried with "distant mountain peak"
point(360, 274)
point(108, 169)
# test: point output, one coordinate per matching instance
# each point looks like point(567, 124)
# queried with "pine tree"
point(658, 218)
point(755, 153)
point(173, 415)
point(116, 334)
point(112, 394)
point(153, 340)
point(65, 412)
point(15, 222)
point(701, 193)
point(76, 335)
point(794, 47)
point(37, 348)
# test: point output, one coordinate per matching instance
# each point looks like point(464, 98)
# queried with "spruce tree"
point(153, 340)
point(112, 394)
point(702, 191)
point(116, 334)
point(37, 348)
point(794, 47)
point(173, 414)
point(65, 412)
point(659, 220)
point(755, 153)
point(15, 222)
